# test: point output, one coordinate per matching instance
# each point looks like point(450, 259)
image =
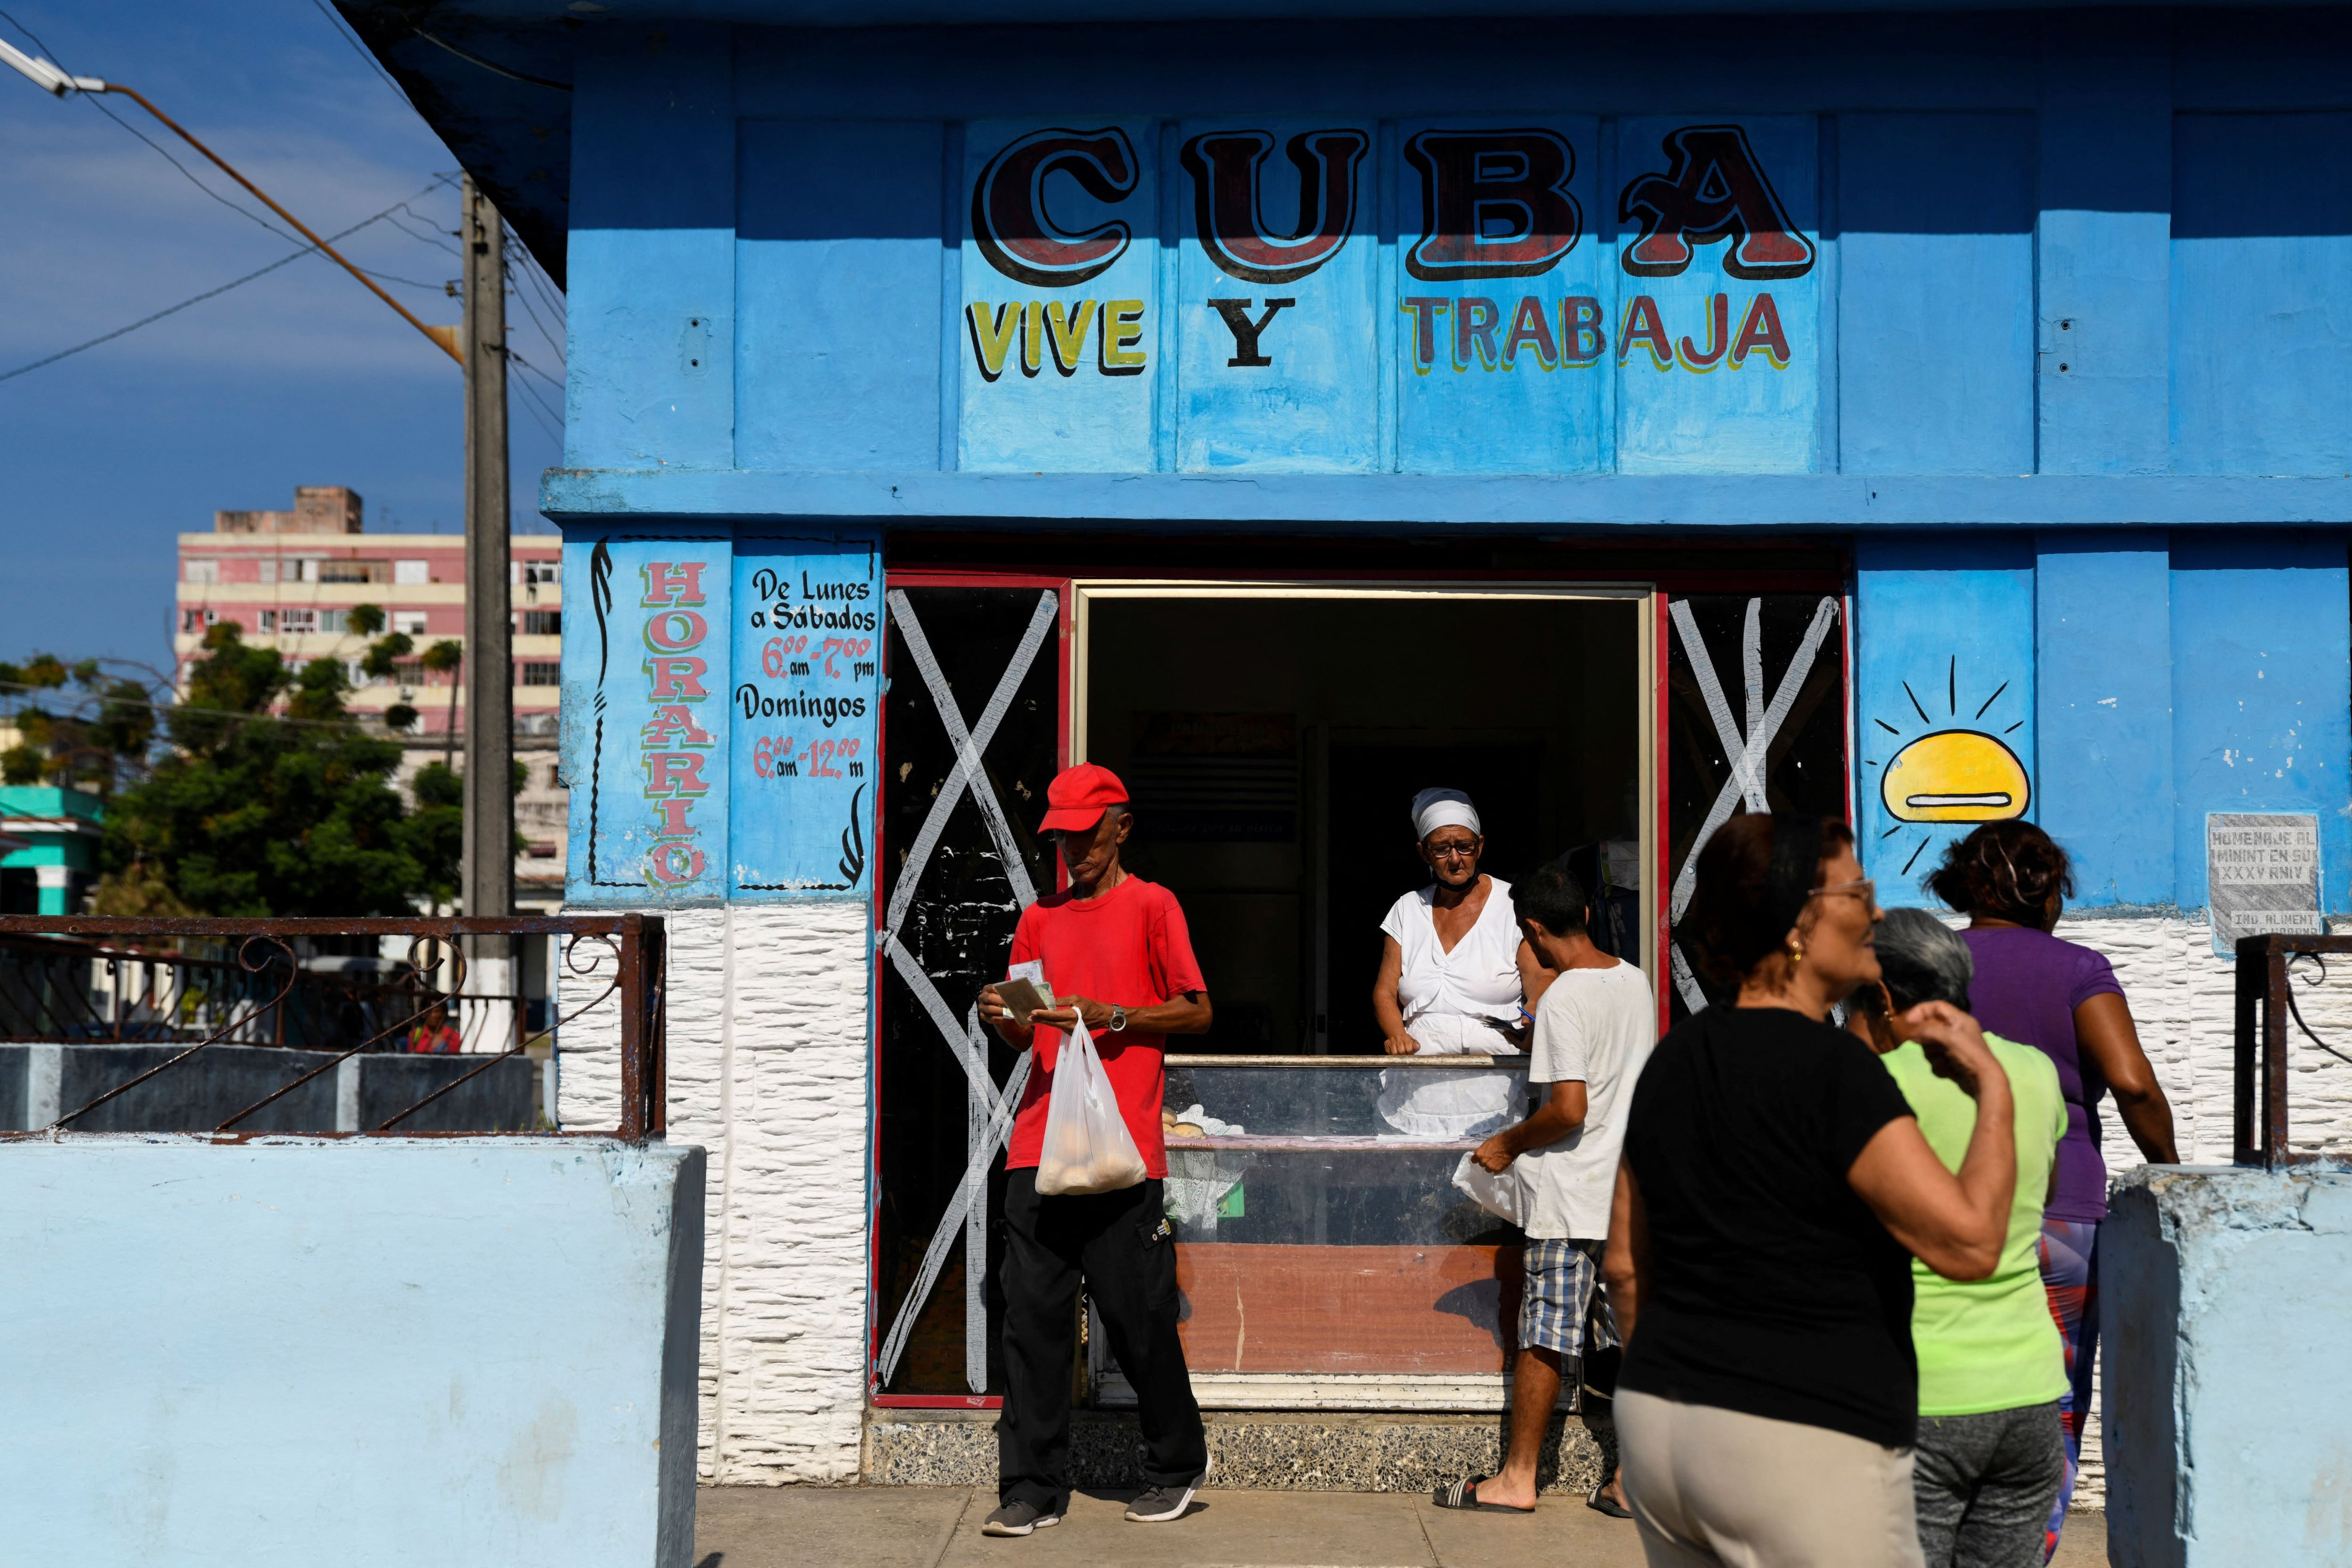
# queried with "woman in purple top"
point(2011, 882)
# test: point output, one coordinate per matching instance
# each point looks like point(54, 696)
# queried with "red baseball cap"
point(1078, 796)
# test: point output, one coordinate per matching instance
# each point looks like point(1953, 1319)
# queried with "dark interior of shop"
point(1273, 745)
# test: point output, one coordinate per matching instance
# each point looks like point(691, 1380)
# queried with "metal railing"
point(2266, 1006)
point(178, 988)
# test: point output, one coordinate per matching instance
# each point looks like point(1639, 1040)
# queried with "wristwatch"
point(1118, 1018)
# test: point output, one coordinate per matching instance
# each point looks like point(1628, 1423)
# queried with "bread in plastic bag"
point(1501, 1194)
point(1087, 1147)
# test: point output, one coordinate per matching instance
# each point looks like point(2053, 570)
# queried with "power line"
point(161, 151)
point(532, 407)
point(442, 338)
point(490, 65)
point(342, 30)
point(441, 289)
point(207, 294)
point(536, 281)
point(172, 708)
point(514, 358)
point(520, 254)
point(189, 175)
point(523, 299)
point(534, 370)
point(549, 294)
point(431, 238)
point(30, 34)
point(555, 424)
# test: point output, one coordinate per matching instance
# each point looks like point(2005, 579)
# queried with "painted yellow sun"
point(1955, 776)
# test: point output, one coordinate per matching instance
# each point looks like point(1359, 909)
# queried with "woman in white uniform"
point(1455, 973)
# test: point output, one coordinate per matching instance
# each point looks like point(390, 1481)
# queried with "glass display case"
point(1328, 1259)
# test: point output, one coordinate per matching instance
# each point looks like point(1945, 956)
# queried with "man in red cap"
point(1115, 950)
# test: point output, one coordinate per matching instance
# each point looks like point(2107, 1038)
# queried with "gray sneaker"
point(1018, 1519)
point(1161, 1504)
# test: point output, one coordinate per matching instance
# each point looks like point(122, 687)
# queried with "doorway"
point(1273, 739)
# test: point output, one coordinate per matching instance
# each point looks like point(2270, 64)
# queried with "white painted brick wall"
point(769, 1029)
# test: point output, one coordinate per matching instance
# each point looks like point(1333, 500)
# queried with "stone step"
point(1250, 1450)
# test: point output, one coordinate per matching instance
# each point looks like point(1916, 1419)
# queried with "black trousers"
point(1120, 1244)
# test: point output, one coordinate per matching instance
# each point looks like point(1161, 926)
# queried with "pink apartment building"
point(291, 580)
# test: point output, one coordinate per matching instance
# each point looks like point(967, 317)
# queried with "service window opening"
point(1272, 741)
point(1272, 738)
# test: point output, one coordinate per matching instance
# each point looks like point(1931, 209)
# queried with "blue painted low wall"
point(2228, 1369)
point(356, 1352)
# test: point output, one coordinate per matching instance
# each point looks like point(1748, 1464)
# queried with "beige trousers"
point(1715, 1488)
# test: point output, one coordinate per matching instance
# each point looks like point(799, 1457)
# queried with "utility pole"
point(489, 624)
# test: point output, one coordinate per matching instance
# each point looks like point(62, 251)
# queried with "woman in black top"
point(1773, 1190)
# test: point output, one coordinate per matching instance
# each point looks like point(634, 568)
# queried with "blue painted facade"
point(2040, 318)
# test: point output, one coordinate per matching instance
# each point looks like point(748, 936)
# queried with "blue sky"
point(300, 377)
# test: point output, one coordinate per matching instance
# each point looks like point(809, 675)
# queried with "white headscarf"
point(1435, 809)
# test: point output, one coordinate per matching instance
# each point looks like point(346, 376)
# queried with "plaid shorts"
point(1560, 1308)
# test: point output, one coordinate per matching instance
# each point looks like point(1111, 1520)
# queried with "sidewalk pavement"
point(938, 1527)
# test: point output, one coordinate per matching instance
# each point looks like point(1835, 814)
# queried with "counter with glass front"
point(1328, 1259)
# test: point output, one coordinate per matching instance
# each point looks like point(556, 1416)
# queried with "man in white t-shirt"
point(1594, 1028)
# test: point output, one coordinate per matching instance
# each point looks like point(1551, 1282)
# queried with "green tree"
point(436, 831)
point(318, 692)
point(382, 660)
point(258, 815)
point(447, 657)
point(383, 655)
point(94, 744)
point(125, 725)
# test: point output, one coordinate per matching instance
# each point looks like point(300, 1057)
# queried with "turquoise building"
point(52, 838)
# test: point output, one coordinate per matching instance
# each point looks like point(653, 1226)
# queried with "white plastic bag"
point(1505, 1196)
point(1087, 1147)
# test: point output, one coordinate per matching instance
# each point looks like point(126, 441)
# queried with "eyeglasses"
point(1454, 851)
point(1864, 888)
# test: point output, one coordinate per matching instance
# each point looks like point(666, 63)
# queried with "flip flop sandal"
point(1600, 1503)
point(1464, 1495)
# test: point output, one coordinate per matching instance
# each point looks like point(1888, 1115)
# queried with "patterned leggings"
point(2070, 1273)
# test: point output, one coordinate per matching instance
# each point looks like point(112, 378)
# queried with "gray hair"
point(1923, 960)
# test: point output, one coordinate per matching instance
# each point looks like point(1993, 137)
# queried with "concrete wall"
point(769, 1027)
point(2228, 1368)
point(355, 1352)
point(2181, 998)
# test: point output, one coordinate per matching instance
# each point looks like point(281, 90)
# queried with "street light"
point(481, 353)
point(52, 80)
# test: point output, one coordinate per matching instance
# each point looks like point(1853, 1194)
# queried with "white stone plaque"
point(2262, 873)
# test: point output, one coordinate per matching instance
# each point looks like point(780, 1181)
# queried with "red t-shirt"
point(1127, 947)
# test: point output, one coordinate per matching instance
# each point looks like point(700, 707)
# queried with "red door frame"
point(1670, 584)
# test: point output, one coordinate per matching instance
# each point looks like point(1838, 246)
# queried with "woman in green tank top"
point(1991, 1450)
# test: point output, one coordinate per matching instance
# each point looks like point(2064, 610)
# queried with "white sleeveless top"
point(1447, 999)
